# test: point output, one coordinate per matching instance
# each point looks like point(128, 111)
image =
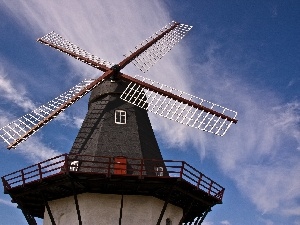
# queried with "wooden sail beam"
point(65, 105)
point(135, 54)
point(175, 97)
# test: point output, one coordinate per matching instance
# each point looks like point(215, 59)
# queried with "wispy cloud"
point(267, 222)
point(14, 94)
point(36, 151)
point(297, 222)
point(90, 32)
point(261, 152)
point(5, 118)
point(274, 11)
point(295, 211)
point(225, 222)
point(7, 203)
point(207, 223)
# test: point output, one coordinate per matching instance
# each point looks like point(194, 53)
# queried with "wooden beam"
point(164, 206)
point(65, 105)
point(77, 56)
point(76, 203)
point(186, 213)
point(121, 210)
point(175, 97)
point(139, 51)
point(48, 210)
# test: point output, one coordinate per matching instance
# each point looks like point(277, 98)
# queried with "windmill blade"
point(147, 53)
point(56, 41)
point(22, 128)
point(178, 106)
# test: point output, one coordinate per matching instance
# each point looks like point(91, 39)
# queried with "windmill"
point(116, 143)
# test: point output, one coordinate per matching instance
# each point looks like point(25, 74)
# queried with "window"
point(120, 117)
point(74, 166)
point(159, 171)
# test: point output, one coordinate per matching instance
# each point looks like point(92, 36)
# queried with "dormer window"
point(120, 117)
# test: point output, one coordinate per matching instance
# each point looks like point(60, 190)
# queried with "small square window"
point(159, 171)
point(74, 166)
point(120, 117)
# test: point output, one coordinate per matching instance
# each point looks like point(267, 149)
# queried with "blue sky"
point(244, 55)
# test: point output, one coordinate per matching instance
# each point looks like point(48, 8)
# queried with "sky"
point(244, 55)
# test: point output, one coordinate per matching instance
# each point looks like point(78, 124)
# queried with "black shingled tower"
point(100, 135)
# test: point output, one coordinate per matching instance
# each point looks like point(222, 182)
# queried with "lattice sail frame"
point(177, 111)
point(16, 129)
point(150, 56)
point(60, 43)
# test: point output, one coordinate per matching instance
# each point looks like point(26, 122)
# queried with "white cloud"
point(292, 211)
point(95, 32)
point(36, 151)
point(77, 122)
point(4, 118)
point(225, 222)
point(33, 149)
point(14, 93)
point(7, 203)
point(260, 151)
point(207, 223)
point(266, 166)
point(267, 221)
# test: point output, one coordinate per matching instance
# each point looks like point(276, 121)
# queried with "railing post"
point(5, 184)
point(220, 194)
point(40, 171)
point(141, 169)
point(66, 163)
point(23, 177)
point(182, 168)
point(108, 169)
point(199, 180)
point(210, 186)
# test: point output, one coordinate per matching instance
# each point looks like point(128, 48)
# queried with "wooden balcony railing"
point(67, 163)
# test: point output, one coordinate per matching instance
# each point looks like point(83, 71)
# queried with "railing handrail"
point(35, 164)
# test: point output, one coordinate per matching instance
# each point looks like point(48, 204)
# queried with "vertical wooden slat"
point(76, 203)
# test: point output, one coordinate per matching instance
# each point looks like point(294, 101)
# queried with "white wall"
point(104, 209)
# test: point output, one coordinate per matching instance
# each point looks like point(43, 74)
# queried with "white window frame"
point(74, 166)
point(159, 171)
point(120, 116)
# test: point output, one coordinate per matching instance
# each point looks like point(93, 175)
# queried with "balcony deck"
point(62, 176)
